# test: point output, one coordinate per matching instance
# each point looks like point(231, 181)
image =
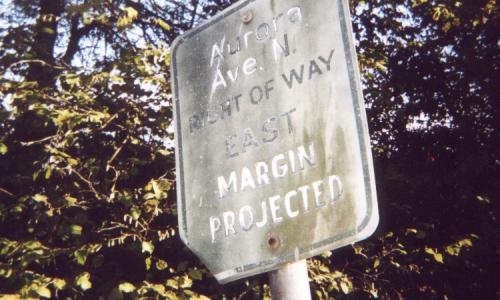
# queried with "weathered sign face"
point(273, 154)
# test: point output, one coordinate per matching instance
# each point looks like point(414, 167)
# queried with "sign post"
point(273, 155)
point(290, 282)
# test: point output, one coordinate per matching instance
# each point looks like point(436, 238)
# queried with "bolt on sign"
point(273, 156)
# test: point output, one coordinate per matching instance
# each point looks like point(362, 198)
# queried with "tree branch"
point(44, 42)
point(76, 34)
point(6, 192)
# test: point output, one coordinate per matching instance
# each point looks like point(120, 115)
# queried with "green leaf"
point(147, 247)
point(131, 12)
point(3, 149)
point(70, 201)
point(195, 274)
point(135, 212)
point(130, 15)
point(344, 287)
point(48, 173)
point(162, 24)
point(453, 250)
point(59, 284)
point(172, 283)
point(73, 162)
point(164, 152)
point(185, 282)
point(376, 263)
point(48, 30)
point(35, 174)
point(160, 289)
point(147, 262)
point(83, 281)
point(76, 229)
point(40, 198)
point(10, 297)
point(161, 264)
point(437, 256)
point(43, 291)
point(6, 273)
point(465, 243)
point(81, 256)
point(126, 287)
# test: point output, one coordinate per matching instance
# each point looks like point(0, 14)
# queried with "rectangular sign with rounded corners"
point(273, 154)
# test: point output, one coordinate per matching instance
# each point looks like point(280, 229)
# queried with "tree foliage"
point(87, 199)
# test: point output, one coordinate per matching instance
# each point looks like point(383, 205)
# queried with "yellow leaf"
point(185, 282)
point(48, 173)
point(430, 251)
point(48, 30)
point(43, 291)
point(76, 229)
point(83, 281)
point(59, 284)
point(70, 201)
point(465, 242)
point(344, 287)
point(40, 198)
point(130, 15)
point(131, 12)
point(437, 256)
point(162, 24)
point(172, 283)
point(3, 149)
point(72, 161)
point(161, 265)
point(452, 250)
point(147, 247)
point(126, 287)
point(436, 14)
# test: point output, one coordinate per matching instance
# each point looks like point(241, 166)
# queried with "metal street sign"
point(273, 153)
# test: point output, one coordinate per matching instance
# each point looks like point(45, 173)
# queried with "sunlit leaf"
point(83, 281)
point(3, 149)
point(43, 291)
point(76, 229)
point(172, 283)
point(147, 247)
point(344, 287)
point(161, 264)
point(163, 24)
point(126, 287)
point(59, 284)
point(40, 198)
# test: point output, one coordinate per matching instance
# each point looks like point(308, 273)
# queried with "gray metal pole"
point(291, 282)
